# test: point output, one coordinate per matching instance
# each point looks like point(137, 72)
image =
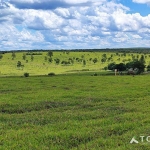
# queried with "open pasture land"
point(70, 112)
point(39, 63)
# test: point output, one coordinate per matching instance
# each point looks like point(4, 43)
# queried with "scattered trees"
point(138, 65)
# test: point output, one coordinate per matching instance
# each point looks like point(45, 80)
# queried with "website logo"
point(142, 139)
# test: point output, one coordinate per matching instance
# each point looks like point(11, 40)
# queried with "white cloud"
point(142, 1)
point(95, 24)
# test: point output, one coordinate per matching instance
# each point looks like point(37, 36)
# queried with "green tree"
point(13, 55)
point(50, 53)
point(95, 60)
point(111, 66)
point(84, 62)
point(140, 65)
point(19, 64)
point(120, 67)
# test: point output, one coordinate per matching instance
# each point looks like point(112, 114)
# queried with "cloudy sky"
point(74, 24)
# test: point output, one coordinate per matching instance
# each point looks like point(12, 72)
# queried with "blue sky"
point(74, 24)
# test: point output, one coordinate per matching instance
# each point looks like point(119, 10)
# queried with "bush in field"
point(103, 60)
point(84, 62)
point(51, 74)
point(19, 65)
point(26, 74)
point(65, 62)
point(95, 60)
point(57, 61)
point(95, 74)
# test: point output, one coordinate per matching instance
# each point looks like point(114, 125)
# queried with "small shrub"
point(85, 70)
point(51, 74)
point(95, 74)
point(26, 74)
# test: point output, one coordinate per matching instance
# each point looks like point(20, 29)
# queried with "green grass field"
point(70, 112)
point(40, 66)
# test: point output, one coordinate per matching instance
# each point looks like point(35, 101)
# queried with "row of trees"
point(136, 64)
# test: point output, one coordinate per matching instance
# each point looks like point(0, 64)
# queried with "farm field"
point(39, 63)
point(73, 112)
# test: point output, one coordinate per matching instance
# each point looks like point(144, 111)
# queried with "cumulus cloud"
point(142, 1)
point(47, 4)
point(70, 24)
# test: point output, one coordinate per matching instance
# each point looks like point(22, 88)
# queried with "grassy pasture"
point(76, 112)
point(40, 66)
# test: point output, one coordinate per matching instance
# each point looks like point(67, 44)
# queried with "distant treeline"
point(123, 50)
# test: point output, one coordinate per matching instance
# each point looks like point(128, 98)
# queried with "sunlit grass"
point(39, 66)
point(74, 112)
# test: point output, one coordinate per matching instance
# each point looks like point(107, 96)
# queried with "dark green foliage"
point(19, 64)
point(51, 74)
point(105, 68)
point(64, 62)
point(120, 67)
point(95, 60)
point(50, 53)
point(84, 62)
point(95, 74)
point(34, 53)
point(26, 74)
point(57, 61)
point(111, 66)
point(136, 64)
point(103, 60)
